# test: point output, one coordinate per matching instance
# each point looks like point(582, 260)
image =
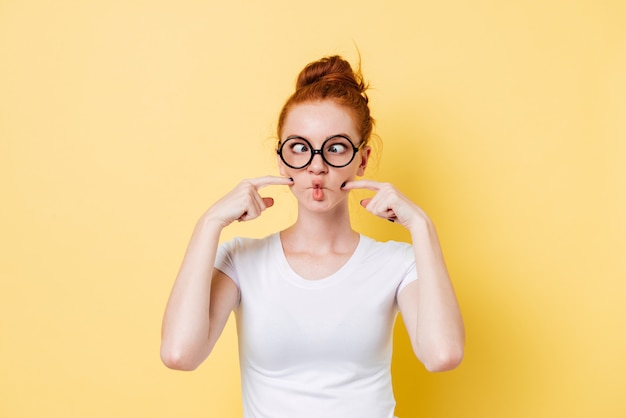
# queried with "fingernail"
point(291, 178)
point(390, 220)
point(343, 184)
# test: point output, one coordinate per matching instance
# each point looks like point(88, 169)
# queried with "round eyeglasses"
point(337, 151)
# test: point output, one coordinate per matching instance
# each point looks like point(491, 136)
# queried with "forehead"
point(319, 120)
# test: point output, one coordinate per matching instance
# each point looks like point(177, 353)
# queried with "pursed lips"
point(317, 185)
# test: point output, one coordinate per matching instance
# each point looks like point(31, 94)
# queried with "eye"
point(299, 148)
point(337, 148)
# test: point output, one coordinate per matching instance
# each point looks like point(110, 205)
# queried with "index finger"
point(362, 184)
point(261, 182)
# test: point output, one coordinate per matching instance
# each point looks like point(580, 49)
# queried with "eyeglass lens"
point(337, 151)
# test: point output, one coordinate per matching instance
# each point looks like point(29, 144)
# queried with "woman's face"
point(318, 185)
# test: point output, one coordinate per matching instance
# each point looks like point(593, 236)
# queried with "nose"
point(318, 165)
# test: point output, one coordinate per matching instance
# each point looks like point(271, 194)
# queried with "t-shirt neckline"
point(292, 276)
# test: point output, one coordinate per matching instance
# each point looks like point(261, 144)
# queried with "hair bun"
point(333, 69)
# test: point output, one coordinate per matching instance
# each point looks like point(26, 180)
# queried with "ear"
point(365, 156)
point(281, 166)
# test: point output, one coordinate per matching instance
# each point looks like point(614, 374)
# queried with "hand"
point(388, 203)
point(244, 202)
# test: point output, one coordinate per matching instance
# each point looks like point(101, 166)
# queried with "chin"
point(326, 205)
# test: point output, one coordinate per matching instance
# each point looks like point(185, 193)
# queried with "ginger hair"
point(332, 78)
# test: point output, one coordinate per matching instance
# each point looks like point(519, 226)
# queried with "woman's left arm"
point(428, 305)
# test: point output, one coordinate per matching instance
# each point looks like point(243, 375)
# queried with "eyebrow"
point(344, 135)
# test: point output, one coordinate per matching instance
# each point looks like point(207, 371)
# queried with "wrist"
point(420, 226)
point(210, 223)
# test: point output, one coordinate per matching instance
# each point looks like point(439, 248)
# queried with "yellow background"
point(121, 121)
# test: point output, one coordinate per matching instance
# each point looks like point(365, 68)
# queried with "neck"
point(321, 232)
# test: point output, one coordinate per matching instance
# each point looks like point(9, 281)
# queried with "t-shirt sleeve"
point(410, 272)
point(225, 260)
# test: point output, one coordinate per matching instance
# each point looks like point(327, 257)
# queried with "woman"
point(315, 304)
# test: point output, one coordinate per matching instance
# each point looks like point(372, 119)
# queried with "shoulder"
point(388, 251)
point(392, 247)
point(245, 245)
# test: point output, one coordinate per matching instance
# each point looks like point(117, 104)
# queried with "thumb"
point(269, 202)
point(365, 202)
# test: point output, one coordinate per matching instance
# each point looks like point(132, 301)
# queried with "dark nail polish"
point(291, 178)
point(343, 184)
point(390, 220)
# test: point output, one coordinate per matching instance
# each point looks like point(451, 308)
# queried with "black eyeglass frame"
point(320, 151)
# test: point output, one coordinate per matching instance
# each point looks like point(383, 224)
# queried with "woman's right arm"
point(202, 297)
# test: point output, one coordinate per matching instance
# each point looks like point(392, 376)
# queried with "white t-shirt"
point(316, 348)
